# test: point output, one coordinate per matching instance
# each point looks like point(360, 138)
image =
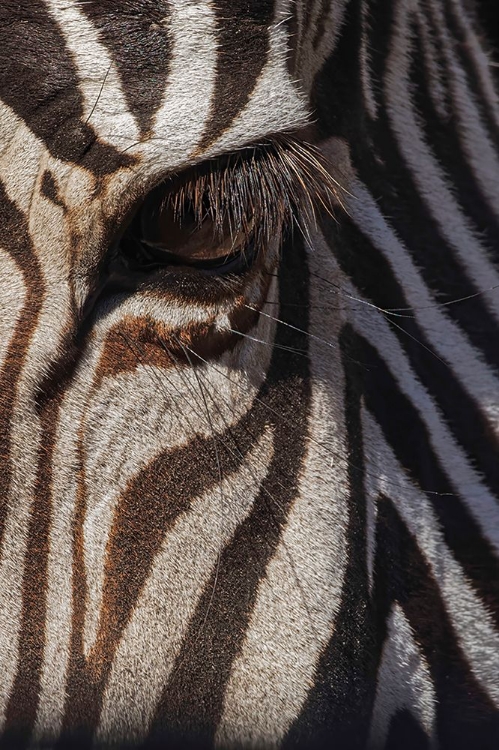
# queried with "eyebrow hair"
point(262, 186)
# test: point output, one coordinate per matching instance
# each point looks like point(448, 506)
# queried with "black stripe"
point(349, 664)
point(466, 58)
point(15, 228)
point(466, 716)
point(398, 198)
point(407, 435)
point(243, 43)
point(488, 17)
point(392, 186)
point(39, 81)
point(342, 114)
point(405, 732)
point(446, 146)
point(139, 42)
point(320, 24)
point(24, 697)
point(192, 701)
point(338, 707)
point(50, 190)
point(372, 274)
point(22, 252)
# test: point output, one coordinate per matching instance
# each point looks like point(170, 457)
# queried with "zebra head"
point(248, 397)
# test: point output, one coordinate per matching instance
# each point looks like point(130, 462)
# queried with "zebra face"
point(153, 174)
point(248, 429)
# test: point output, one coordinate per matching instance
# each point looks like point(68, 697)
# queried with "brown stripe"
point(80, 690)
point(148, 509)
point(134, 342)
point(23, 703)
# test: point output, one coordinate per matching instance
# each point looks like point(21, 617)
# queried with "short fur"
point(253, 509)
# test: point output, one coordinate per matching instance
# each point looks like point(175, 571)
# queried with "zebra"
point(248, 374)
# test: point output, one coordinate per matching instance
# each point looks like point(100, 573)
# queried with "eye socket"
point(217, 217)
point(187, 222)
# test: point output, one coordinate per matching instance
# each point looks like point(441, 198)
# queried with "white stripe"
point(474, 627)
point(433, 63)
point(276, 103)
point(462, 476)
point(20, 156)
point(365, 65)
point(60, 563)
point(299, 597)
point(482, 61)
point(427, 173)
point(13, 548)
point(105, 105)
point(25, 440)
point(61, 548)
point(123, 438)
point(25, 437)
point(181, 119)
point(333, 27)
point(480, 151)
point(443, 335)
point(11, 300)
point(403, 682)
point(172, 311)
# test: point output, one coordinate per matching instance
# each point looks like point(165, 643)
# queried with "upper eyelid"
point(298, 138)
point(308, 180)
point(315, 169)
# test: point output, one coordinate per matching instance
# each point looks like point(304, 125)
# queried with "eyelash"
point(253, 195)
point(280, 180)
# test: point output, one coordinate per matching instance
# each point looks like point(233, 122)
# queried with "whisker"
point(298, 352)
point(270, 499)
point(299, 330)
point(99, 94)
point(396, 311)
point(323, 446)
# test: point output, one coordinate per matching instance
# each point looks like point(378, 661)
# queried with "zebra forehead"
point(102, 84)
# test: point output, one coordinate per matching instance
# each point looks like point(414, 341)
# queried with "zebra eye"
point(219, 216)
point(183, 222)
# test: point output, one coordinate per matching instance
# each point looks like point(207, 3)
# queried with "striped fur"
point(259, 512)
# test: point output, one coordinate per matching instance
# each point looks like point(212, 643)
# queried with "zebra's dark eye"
point(218, 216)
point(182, 222)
